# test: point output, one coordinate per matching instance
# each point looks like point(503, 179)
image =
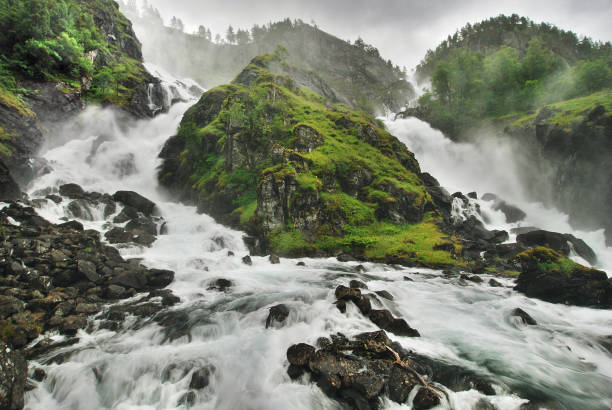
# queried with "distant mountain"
point(354, 74)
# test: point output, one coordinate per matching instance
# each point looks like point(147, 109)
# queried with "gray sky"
point(402, 30)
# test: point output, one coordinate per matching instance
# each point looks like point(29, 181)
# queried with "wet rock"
point(230, 253)
point(188, 399)
point(524, 317)
point(247, 260)
point(39, 374)
point(344, 293)
point(221, 285)
point(274, 259)
point(341, 305)
point(136, 201)
point(200, 378)
point(345, 257)
point(141, 226)
point(360, 269)
point(552, 240)
point(577, 286)
point(13, 376)
point(72, 191)
point(472, 278)
point(384, 294)
point(115, 292)
point(88, 270)
point(474, 230)
point(118, 235)
point(79, 208)
point(71, 324)
point(159, 278)
point(425, 399)
point(386, 321)
point(495, 284)
point(358, 284)
point(10, 305)
point(300, 264)
point(127, 213)
point(278, 314)
point(300, 354)
point(401, 382)
point(74, 225)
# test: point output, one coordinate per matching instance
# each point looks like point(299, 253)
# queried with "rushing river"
point(465, 324)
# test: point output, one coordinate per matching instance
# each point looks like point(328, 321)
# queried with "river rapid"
point(139, 367)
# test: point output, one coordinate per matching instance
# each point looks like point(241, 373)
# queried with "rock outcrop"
point(301, 175)
point(548, 275)
point(359, 372)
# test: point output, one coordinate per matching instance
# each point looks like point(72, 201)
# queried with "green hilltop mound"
point(302, 175)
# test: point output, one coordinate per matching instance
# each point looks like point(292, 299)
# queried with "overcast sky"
point(402, 30)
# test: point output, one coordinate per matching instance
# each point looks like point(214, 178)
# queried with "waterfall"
point(147, 363)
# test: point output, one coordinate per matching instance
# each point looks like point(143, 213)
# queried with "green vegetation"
point(59, 41)
point(567, 113)
point(505, 66)
point(355, 72)
point(306, 176)
point(545, 260)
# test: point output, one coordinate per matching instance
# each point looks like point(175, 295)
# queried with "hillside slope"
point(57, 57)
point(354, 74)
point(301, 175)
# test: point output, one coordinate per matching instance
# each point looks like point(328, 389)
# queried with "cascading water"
point(491, 166)
point(139, 367)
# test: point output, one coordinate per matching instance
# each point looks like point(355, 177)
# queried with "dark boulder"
point(425, 399)
point(384, 294)
point(72, 191)
point(300, 354)
point(357, 284)
point(474, 230)
point(247, 260)
point(201, 378)
point(548, 275)
point(552, 240)
point(74, 225)
point(385, 320)
point(136, 201)
point(277, 313)
point(524, 317)
point(13, 376)
point(512, 212)
point(220, 285)
point(274, 260)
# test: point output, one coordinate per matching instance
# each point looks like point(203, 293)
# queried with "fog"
point(402, 30)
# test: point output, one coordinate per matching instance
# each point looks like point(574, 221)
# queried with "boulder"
point(548, 275)
point(277, 313)
point(300, 354)
point(524, 317)
point(247, 260)
point(201, 378)
point(72, 191)
point(385, 320)
point(136, 201)
point(552, 240)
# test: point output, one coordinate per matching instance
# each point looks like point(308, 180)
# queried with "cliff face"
point(301, 175)
point(572, 144)
point(116, 76)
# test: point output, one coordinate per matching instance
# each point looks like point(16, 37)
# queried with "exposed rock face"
point(13, 375)
point(559, 242)
point(547, 275)
point(575, 161)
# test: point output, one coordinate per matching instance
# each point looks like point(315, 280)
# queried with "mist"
point(402, 30)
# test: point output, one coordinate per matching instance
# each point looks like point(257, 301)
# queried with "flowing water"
point(464, 324)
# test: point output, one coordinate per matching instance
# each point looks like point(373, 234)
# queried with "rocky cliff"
point(571, 143)
point(32, 99)
point(302, 175)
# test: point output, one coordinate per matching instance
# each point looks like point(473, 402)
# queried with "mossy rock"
point(302, 175)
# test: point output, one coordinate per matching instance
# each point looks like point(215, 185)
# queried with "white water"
point(491, 166)
point(464, 324)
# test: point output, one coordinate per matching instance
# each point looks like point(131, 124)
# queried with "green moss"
point(260, 114)
point(546, 260)
point(15, 101)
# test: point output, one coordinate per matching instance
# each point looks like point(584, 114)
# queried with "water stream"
point(466, 324)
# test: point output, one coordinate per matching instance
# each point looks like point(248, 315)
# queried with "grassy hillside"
point(506, 66)
point(303, 175)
